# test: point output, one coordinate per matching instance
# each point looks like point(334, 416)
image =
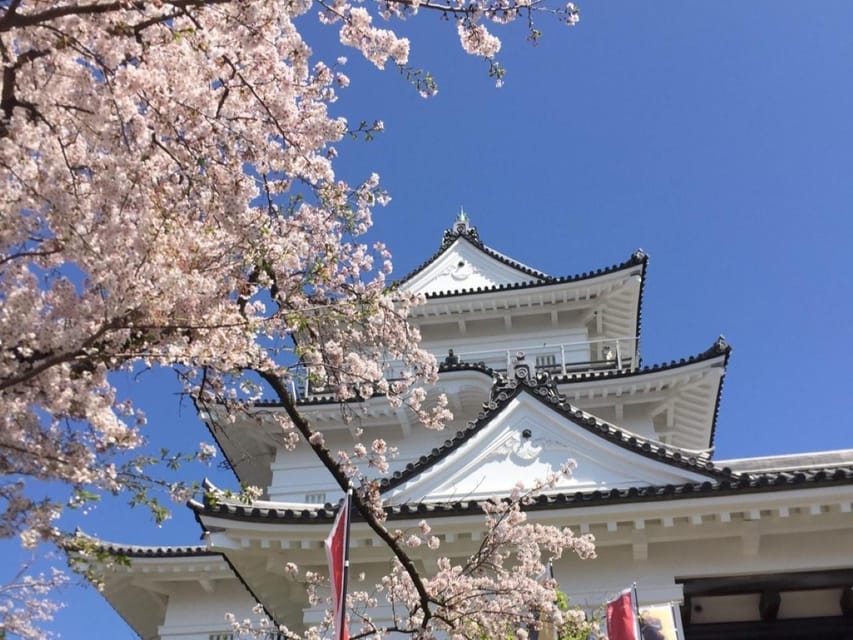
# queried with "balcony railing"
point(560, 358)
point(557, 359)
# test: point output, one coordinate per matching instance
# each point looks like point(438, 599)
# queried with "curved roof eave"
point(638, 328)
point(148, 551)
point(142, 552)
point(719, 397)
point(174, 556)
point(637, 259)
point(719, 350)
point(463, 231)
point(720, 347)
point(735, 484)
point(476, 367)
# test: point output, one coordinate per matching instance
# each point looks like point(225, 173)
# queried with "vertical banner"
point(621, 616)
point(661, 622)
point(337, 555)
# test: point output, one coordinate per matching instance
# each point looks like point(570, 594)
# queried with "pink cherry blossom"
point(170, 200)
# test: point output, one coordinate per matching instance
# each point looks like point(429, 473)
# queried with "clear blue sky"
point(716, 136)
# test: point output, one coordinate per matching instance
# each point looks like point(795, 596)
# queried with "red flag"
point(337, 555)
point(623, 623)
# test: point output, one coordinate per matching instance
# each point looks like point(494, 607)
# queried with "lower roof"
point(736, 484)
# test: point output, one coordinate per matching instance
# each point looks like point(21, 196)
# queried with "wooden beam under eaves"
point(768, 605)
point(756, 583)
point(846, 602)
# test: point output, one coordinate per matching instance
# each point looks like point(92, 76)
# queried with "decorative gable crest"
point(461, 228)
point(523, 374)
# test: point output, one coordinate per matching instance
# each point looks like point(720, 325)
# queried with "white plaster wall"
point(635, 418)
point(296, 473)
point(493, 348)
point(590, 582)
point(195, 614)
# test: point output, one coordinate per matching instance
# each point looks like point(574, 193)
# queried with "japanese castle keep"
point(543, 368)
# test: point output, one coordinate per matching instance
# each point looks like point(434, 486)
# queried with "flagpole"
point(635, 599)
point(343, 607)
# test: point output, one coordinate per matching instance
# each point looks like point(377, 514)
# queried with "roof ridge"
point(637, 258)
point(146, 551)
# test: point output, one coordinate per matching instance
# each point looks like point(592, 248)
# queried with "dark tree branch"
point(52, 360)
point(12, 20)
point(343, 481)
point(8, 100)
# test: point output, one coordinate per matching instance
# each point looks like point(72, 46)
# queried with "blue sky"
point(718, 137)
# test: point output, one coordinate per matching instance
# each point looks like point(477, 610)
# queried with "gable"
point(523, 443)
point(463, 266)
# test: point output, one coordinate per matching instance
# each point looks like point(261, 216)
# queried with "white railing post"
point(618, 353)
point(563, 357)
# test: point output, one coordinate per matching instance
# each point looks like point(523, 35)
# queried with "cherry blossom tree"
point(169, 200)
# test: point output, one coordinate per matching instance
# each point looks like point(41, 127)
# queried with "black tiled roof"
point(135, 551)
point(641, 255)
point(461, 229)
point(728, 351)
point(733, 484)
point(140, 551)
point(636, 259)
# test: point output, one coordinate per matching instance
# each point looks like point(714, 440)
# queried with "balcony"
point(607, 354)
point(558, 359)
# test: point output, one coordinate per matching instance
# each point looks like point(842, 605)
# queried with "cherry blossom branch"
point(49, 361)
point(13, 20)
point(466, 9)
point(94, 342)
point(25, 602)
point(250, 87)
point(170, 200)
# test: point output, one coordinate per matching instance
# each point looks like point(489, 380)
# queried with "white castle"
point(538, 369)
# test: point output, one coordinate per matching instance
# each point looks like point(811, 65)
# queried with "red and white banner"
point(623, 623)
point(337, 555)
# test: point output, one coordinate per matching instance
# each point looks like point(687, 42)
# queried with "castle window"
point(317, 497)
point(546, 362)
